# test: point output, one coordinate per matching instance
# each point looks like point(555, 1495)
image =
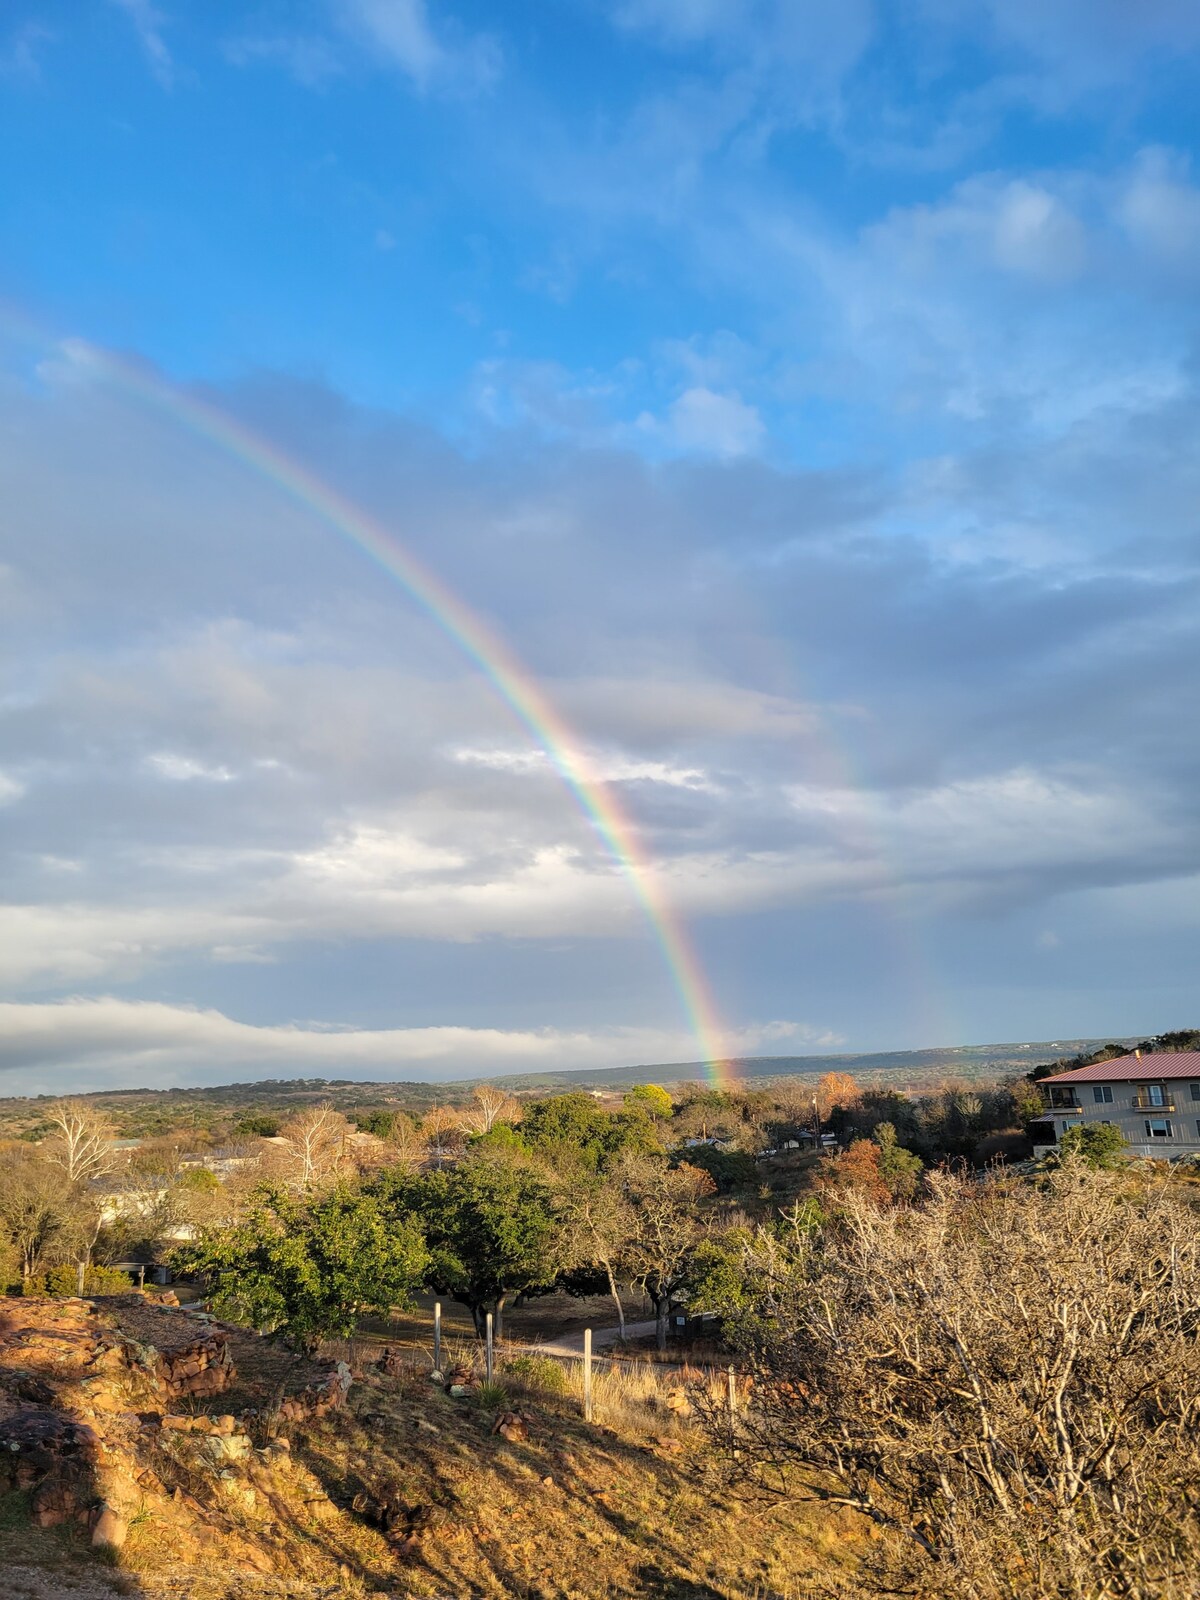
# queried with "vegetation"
point(310, 1268)
point(1005, 1381)
point(997, 1373)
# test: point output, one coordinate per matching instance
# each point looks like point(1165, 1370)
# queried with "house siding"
point(1128, 1111)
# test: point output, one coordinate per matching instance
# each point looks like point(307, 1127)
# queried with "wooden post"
point(490, 1356)
point(79, 1278)
point(437, 1335)
point(141, 1277)
point(732, 1403)
point(587, 1374)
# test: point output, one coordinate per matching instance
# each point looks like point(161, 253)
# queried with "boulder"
point(109, 1528)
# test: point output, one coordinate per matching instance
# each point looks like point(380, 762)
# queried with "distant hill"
point(148, 1110)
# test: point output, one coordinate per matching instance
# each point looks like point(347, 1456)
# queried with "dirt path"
point(570, 1345)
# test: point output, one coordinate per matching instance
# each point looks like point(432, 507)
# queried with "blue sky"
point(808, 393)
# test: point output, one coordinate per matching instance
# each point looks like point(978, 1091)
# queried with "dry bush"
point(1006, 1380)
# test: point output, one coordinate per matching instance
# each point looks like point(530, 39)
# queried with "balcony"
point(1067, 1108)
point(1140, 1104)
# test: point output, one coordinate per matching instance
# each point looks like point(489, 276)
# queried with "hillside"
point(141, 1110)
point(149, 1451)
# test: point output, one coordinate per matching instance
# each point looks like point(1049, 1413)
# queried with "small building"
point(1153, 1099)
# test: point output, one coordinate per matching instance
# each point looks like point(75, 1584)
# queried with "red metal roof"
point(1131, 1069)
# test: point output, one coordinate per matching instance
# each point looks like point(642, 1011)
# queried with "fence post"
point(141, 1277)
point(587, 1374)
point(732, 1403)
point(437, 1335)
point(489, 1347)
point(79, 1278)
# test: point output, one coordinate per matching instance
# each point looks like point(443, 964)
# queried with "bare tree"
point(835, 1089)
point(81, 1143)
point(596, 1224)
point(1005, 1381)
point(316, 1152)
point(444, 1134)
point(491, 1105)
point(661, 1205)
point(36, 1211)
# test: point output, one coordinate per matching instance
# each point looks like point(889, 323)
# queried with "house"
point(1153, 1099)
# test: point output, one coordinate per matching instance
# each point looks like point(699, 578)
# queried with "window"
point(1102, 1094)
point(1196, 1091)
point(1159, 1128)
point(1155, 1094)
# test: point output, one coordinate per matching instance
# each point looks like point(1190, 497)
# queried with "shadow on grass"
point(574, 1510)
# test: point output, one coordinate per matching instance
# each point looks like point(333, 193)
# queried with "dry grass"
point(634, 1504)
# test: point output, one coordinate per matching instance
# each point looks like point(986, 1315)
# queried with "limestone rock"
point(109, 1528)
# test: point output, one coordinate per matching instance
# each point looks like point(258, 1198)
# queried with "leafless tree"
point(662, 1208)
point(82, 1142)
point(596, 1225)
point(37, 1211)
point(443, 1134)
point(316, 1152)
point(490, 1106)
point(1004, 1380)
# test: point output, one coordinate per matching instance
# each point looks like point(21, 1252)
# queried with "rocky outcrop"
point(97, 1425)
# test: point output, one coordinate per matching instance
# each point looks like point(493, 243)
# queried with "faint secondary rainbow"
point(513, 681)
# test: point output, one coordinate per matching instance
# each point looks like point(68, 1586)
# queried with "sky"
point(808, 395)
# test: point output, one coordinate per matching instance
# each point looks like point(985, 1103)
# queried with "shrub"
point(492, 1396)
point(543, 1373)
point(65, 1280)
point(1003, 1379)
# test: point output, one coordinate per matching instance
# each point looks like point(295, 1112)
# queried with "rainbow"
point(513, 682)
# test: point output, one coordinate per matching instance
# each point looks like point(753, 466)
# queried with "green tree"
point(491, 1224)
point(309, 1269)
point(651, 1098)
point(1098, 1144)
point(565, 1127)
point(256, 1126)
point(899, 1168)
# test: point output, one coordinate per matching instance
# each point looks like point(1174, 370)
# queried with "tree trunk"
point(479, 1317)
point(662, 1305)
point(616, 1298)
point(498, 1321)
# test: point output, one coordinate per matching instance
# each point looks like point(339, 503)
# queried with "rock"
point(511, 1425)
point(678, 1403)
point(547, 1482)
point(227, 1447)
point(36, 1390)
point(427, 1427)
point(672, 1447)
point(109, 1528)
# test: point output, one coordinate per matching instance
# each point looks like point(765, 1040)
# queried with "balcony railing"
point(1063, 1110)
point(1139, 1104)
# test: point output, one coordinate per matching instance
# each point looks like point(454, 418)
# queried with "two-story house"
point(1153, 1099)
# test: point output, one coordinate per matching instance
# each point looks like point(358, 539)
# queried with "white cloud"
point(1015, 225)
point(400, 33)
point(183, 769)
point(83, 1043)
point(702, 422)
point(148, 22)
point(1159, 209)
point(610, 768)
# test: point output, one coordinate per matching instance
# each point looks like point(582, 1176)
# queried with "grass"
point(636, 1503)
